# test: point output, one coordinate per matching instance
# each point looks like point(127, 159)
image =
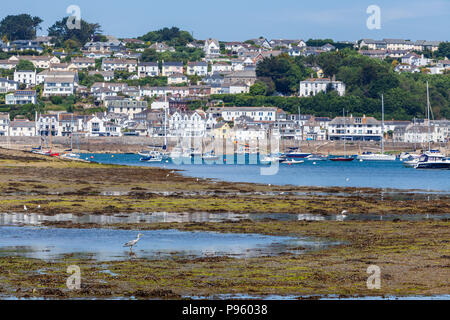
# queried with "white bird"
point(133, 242)
point(25, 208)
point(344, 212)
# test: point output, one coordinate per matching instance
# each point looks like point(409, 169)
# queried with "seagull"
point(133, 242)
point(25, 208)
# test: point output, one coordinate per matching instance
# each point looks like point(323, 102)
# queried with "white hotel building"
point(268, 114)
point(311, 87)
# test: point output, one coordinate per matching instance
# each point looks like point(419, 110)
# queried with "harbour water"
point(367, 174)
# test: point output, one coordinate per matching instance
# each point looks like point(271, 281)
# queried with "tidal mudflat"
point(413, 254)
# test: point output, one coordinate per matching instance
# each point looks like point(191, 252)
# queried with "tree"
point(285, 73)
point(20, 27)
point(149, 55)
point(258, 89)
point(174, 36)
point(25, 65)
point(444, 50)
point(62, 33)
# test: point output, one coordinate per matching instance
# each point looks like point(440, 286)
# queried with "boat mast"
point(301, 128)
point(165, 122)
point(71, 135)
point(382, 124)
point(429, 124)
point(345, 131)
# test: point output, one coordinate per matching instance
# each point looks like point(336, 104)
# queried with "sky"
point(239, 20)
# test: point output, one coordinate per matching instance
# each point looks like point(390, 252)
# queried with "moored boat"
point(369, 156)
point(433, 160)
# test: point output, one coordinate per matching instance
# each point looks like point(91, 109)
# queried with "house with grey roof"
point(355, 129)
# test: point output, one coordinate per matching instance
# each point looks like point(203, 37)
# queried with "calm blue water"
point(107, 244)
point(376, 174)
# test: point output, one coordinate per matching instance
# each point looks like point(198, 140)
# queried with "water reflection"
point(107, 244)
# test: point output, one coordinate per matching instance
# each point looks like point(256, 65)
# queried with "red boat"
point(342, 159)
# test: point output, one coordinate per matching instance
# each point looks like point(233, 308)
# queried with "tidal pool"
point(107, 244)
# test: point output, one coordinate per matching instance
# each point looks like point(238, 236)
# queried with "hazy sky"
point(245, 19)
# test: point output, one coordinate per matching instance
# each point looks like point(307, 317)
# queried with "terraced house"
point(169, 68)
point(355, 129)
point(119, 65)
point(148, 69)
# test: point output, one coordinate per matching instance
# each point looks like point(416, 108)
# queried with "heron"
point(25, 208)
point(342, 216)
point(133, 242)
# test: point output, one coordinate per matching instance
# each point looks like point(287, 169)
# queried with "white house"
point(221, 67)
point(355, 128)
point(311, 87)
point(169, 68)
point(21, 97)
point(4, 124)
point(268, 114)
point(126, 106)
point(27, 77)
point(22, 128)
point(211, 48)
point(47, 124)
point(83, 63)
point(58, 86)
point(119, 65)
point(190, 124)
point(176, 78)
point(148, 69)
point(8, 85)
point(197, 68)
point(7, 64)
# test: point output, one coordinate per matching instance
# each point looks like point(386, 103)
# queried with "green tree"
point(258, 89)
point(444, 50)
point(20, 27)
point(173, 36)
point(62, 33)
point(25, 65)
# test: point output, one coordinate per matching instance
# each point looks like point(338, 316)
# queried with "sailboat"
point(71, 154)
point(295, 152)
point(432, 159)
point(344, 158)
point(368, 156)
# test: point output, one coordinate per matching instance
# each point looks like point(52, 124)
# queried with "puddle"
point(107, 244)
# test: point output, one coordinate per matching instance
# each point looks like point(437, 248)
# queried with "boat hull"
point(342, 159)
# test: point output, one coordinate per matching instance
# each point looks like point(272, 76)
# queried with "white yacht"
point(369, 156)
point(433, 160)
